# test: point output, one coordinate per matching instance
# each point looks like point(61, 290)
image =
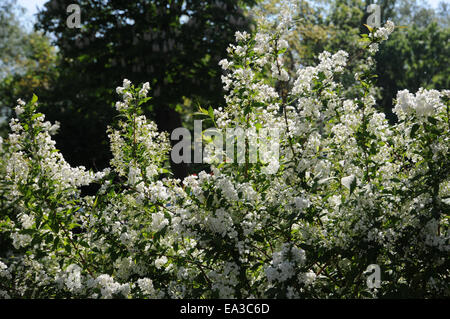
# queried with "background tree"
point(27, 60)
point(417, 54)
point(175, 45)
point(11, 36)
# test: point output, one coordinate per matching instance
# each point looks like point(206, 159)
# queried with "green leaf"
point(211, 113)
point(34, 99)
point(203, 111)
point(144, 100)
point(84, 244)
point(164, 171)
point(55, 243)
point(54, 226)
point(432, 120)
point(369, 28)
point(414, 130)
point(35, 116)
point(353, 185)
point(207, 139)
point(321, 76)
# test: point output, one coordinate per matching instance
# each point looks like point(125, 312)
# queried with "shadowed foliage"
point(175, 45)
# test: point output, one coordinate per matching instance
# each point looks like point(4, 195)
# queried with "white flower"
point(159, 221)
point(73, 280)
point(146, 285)
point(373, 48)
point(55, 127)
point(227, 189)
point(301, 203)
point(108, 287)
point(119, 90)
point(20, 240)
point(151, 171)
point(278, 72)
point(126, 83)
point(390, 26)
point(120, 106)
point(225, 64)
point(241, 36)
point(282, 267)
point(348, 181)
point(4, 272)
point(27, 221)
point(134, 175)
point(272, 167)
point(145, 87)
point(426, 102)
point(127, 97)
point(385, 31)
point(160, 262)
point(282, 44)
point(298, 255)
point(309, 277)
point(158, 191)
point(405, 101)
point(227, 81)
point(19, 110)
point(221, 223)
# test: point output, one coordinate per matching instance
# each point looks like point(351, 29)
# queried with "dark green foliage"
point(414, 57)
point(174, 45)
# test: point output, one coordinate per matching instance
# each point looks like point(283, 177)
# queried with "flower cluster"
point(348, 190)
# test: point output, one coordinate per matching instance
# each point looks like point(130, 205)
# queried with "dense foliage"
point(27, 60)
point(176, 48)
point(347, 190)
point(175, 45)
point(417, 54)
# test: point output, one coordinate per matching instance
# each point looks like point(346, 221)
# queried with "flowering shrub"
point(347, 190)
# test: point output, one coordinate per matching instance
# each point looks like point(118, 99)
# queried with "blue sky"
point(31, 5)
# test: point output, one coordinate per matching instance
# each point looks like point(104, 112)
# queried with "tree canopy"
point(175, 45)
point(27, 60)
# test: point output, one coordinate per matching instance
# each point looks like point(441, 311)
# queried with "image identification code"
point(228, 308)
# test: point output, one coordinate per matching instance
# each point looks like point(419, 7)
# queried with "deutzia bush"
point(346, 190)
